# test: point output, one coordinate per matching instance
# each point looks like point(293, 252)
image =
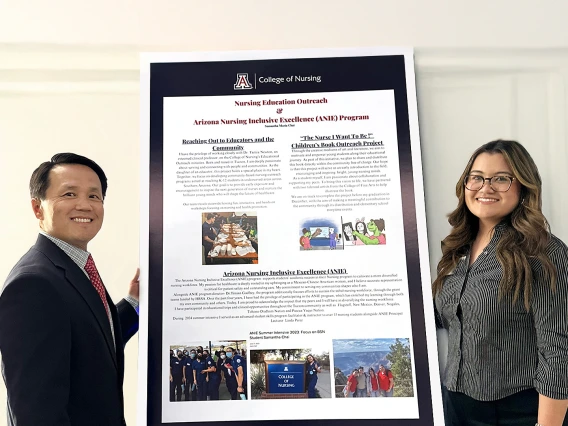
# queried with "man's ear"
point(36, 207)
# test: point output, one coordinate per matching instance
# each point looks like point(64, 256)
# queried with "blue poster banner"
point(285, 377)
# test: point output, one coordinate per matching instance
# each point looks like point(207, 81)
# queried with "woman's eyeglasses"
point(497, 183)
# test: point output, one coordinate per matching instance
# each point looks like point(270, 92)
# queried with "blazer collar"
point(77, 278)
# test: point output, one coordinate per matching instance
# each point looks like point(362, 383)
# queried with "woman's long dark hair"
point(526, 236)
point(313, 357)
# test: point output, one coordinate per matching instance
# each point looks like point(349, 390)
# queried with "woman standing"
point(372, 384)
point(229, 374)
point(502, 294)
point(312, 370)
point(200, 379)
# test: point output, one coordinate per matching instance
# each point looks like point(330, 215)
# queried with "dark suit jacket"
point(60, 364)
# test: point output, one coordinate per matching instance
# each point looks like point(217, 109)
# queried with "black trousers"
point(202, 390)
point(519, 409)
point(213, 388)
point(175, 389)
point(190, 395)
point(232, 387)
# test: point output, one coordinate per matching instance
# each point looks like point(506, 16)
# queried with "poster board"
point(283, 208)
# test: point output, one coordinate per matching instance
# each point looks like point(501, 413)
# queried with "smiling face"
point(72, 210)
point(360, 226)
point(310, 358)
point(487, 204)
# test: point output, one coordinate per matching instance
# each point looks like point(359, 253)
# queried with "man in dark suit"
point(61, 336)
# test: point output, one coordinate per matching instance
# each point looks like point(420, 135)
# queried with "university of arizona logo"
point(242, 81)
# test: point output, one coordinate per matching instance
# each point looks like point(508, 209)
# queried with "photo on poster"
point(372, 368)
point(208, 371)
point(357, 231)
point(320, 234)
point(229, 238)
point(290, 373)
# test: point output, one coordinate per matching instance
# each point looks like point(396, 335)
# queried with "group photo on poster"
point(228, 238)
point(211, 373)
point(372, 368)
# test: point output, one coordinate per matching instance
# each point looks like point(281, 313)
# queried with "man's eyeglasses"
point(497, 183)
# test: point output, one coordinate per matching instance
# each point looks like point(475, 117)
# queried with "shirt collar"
point(78, 255)
point(498, 231)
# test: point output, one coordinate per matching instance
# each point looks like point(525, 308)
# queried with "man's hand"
point(134, 286)
point(171, 378)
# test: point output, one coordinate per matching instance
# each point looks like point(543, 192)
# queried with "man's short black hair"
point(210, 216)
point(39, 182)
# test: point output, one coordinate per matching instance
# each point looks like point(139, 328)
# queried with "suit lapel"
point(119, 344)
point(77, 278)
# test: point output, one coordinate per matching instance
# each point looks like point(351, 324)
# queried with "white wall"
point(69, 82)
point(226, 24)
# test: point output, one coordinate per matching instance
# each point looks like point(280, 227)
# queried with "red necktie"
point(96, 280)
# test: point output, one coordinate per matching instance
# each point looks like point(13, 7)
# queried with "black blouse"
point(497, 348)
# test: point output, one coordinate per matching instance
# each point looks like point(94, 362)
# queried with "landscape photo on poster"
point(364, 355)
